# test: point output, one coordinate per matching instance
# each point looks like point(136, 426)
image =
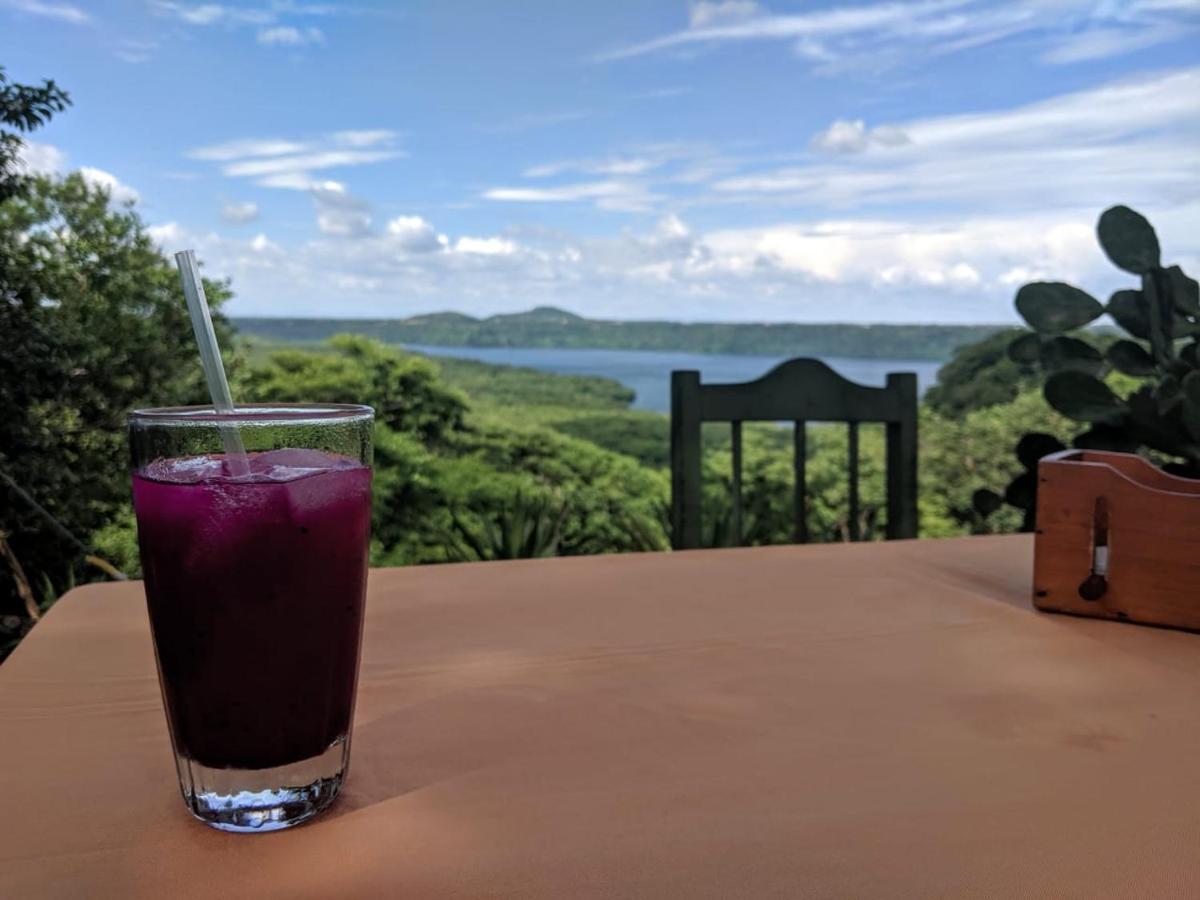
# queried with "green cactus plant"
point(1162, 321)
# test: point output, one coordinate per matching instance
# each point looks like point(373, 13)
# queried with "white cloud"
point(46, 159)
point(1103, 43)
point(212, 13)
point(875, 36)
point(626, 178)
point(613, 194)
point(612, 166)
point(954, 255)
point(263, 244)
point(290, 36)
point(1135, 138)
point(290, 181)
point(338, 212)
point(169, 236)
point(276, 22)
point(940, 268)
point(118, 191)
point(366, 137)
point(835, 21)
point(309, 162)
point(63, 12)
point(239, 212)
point(414, 235)
point(492, 246)
point(712, 12)
point(244, 147)
point(136, 51)
point(41, 159)
point(845, 136)
point(291, 164)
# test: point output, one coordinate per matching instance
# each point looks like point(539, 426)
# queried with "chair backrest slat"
point(854, 529)
point(800, 479)
point(800, 391)
point(735, 429)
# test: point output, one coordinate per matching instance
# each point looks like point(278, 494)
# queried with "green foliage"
point(92, 324)
point(492, 484)
point(645, 436)
point(984, 374)
point(549, 327)
point(117, 542)
point(1128, 240)
point(1082, 397)
point(23, 107)
point(1131, 358)
point(524, 387)
point(526, 528)
point(1051, 307)
point(1161, 414)
point(966, 461)
point(1069, 354)
point(404, 390)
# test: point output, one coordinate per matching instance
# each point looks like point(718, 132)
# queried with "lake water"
point(648, 372)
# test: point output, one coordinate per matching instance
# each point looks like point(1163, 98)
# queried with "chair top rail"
point(804, 389)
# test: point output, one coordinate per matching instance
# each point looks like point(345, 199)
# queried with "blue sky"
point(901, 160)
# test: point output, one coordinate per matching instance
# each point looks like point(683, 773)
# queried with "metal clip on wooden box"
point(1117, 538)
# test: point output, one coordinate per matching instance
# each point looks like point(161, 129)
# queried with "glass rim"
point(279, 413)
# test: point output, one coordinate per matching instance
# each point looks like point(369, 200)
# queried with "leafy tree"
point(404, 389)
point(24, 107)
point(450, 487)
point(959, 454)
point(979, 375)
point(92, 324)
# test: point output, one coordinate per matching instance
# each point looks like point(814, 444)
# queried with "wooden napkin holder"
point(1117, 538)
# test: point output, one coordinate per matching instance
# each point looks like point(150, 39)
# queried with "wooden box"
point(1117, 538)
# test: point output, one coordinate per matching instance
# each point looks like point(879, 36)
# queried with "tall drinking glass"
point(255, 571)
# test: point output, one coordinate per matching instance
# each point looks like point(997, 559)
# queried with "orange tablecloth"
point(835, 721)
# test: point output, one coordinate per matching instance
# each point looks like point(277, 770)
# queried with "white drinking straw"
point(210, 358)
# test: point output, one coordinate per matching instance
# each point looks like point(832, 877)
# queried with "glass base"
point(261, 800)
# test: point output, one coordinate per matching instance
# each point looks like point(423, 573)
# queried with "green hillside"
point(550, 327)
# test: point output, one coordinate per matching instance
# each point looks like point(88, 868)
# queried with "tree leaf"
point(1022, 491)
point(1190, 355)
point(986, 502)
point(1032, 447)
point(1128, 309)
point(1082, 397)
point(1052, 307)
point(1026, 349)
point(1191, 388)
point(1185, 291)
point(1131, 358)
point(1142, 406)
point(1167, 395)
point(1147, 425)
point(1191, 418)
point(1106, 437)
point(1067, 353)
point(1128, 240)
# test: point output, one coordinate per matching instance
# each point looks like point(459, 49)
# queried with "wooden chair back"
point(799, 391)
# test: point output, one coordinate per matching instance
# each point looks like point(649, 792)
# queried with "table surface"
point(823, 721)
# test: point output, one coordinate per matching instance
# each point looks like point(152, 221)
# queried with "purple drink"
point(255, 567)
point(255, 589)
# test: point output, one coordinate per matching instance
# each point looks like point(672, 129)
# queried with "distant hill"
point(546, 326)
